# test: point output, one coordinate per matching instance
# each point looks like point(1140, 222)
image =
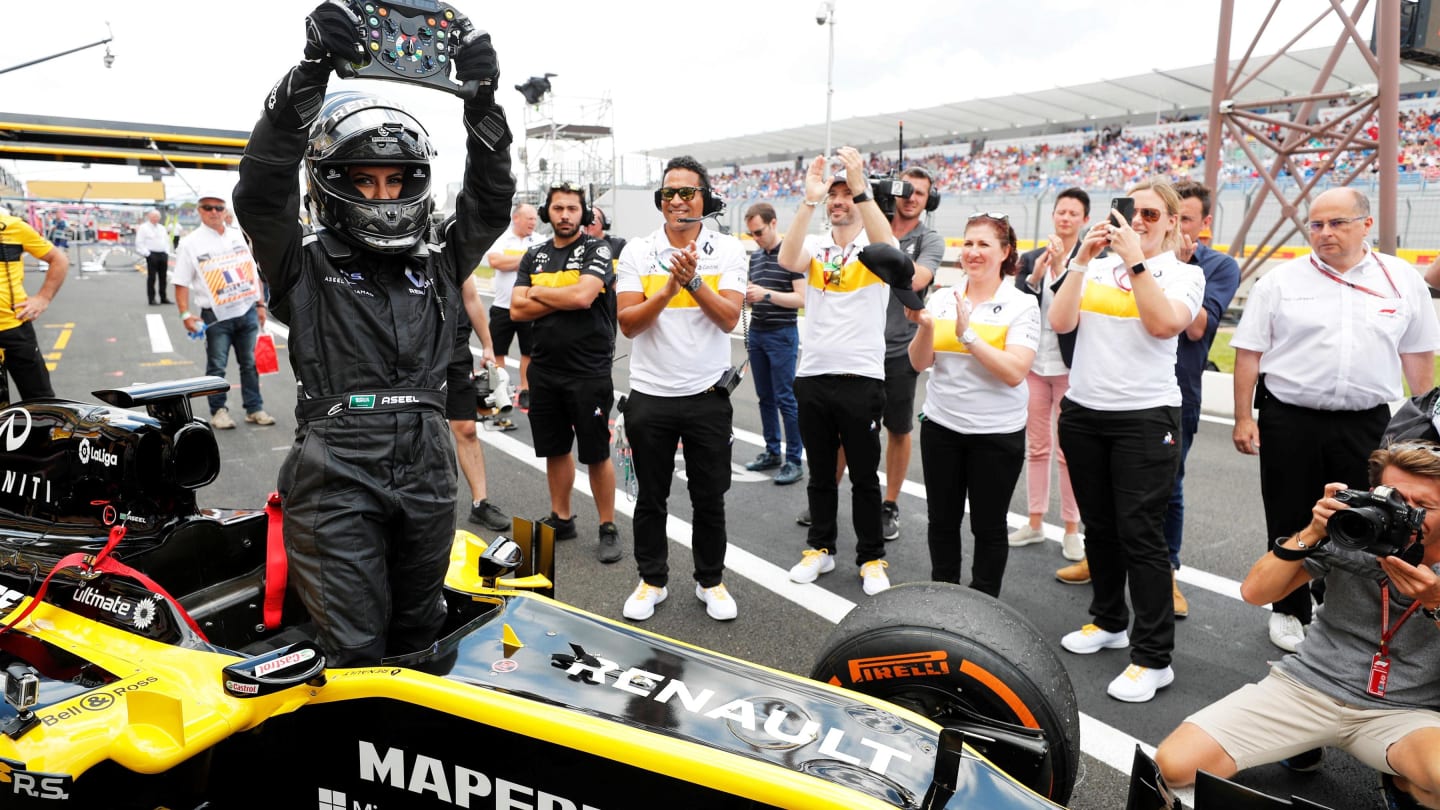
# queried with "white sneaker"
point(1286, 631)
point(1091, 639)
point(718, 604)
point(1026, 535)
point(221, 420)
point(813, 563)
point(874, 578)
point(260, 418)
point(1139, 684)
point(641, 604)
point(1072, 547)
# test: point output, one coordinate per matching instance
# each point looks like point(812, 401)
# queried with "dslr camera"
point(1378, 521)
point(492, 392)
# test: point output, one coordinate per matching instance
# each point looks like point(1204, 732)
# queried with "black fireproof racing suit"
point(369, 485)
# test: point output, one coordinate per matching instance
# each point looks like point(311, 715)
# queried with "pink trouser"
point(1045, 395)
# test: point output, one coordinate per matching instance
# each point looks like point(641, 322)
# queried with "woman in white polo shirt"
point(1120, 425)
point(979, 339)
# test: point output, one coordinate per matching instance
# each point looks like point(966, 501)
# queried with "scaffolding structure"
point(1276, 132)
point(568, 140)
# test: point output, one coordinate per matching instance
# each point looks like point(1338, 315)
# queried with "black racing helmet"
point(359, 129)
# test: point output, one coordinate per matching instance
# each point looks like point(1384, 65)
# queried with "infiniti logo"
point(14, 434)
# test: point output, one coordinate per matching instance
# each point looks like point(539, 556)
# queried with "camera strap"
point(1380, 663)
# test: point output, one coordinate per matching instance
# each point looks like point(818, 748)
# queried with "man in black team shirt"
point(566, 286)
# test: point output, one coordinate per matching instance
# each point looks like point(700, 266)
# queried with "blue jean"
point(772, 366)
point(1175, 510)
point(239, 333)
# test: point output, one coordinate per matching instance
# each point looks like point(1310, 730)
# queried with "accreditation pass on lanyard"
point(1380, 663)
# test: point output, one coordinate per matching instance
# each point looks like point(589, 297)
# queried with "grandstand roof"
point(1160, 92)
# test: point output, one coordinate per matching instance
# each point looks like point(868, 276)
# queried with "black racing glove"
point(477, 62)
point(333, 31)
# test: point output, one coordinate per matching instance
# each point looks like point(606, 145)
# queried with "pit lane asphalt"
point(99, 333)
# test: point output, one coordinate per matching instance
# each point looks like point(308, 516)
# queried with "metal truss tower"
point(1273, 140)
point(568, 140)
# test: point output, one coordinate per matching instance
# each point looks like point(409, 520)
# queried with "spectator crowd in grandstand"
point(1106, 158)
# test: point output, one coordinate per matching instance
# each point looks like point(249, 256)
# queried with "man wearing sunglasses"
point(1321, 349)
point(213, 265)
point(774, 346)
point(680, 292)
point(840, 382)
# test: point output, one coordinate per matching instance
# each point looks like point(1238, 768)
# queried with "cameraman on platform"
point(371, 295)
point(1367, 676)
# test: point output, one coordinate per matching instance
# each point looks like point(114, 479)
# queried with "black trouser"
point(1302, 450)
point(369, 521)
point(840, 410)
point(1122, 468)
point(986, 467)
point(156, 265)
point(25, 363)
point(701, 425)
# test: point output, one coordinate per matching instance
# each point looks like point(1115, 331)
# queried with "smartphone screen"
point(1126, 207)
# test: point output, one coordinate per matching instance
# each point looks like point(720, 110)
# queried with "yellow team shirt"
point(16, 239)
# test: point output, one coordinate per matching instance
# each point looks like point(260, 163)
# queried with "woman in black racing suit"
point(370, 296)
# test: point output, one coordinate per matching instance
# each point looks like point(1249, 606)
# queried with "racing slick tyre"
point(964, 660)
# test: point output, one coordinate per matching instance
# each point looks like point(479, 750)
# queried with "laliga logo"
point(95, 454)
point(15, 435)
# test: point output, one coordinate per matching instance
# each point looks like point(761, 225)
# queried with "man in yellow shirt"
point(23, 360)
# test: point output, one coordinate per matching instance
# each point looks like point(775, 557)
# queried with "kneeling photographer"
point(1367, 677)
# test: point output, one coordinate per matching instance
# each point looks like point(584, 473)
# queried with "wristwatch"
point(860, 198)
point(695, 283)
point(1137, 268)
point(766, 298)
point(968, 336)
point(1431, 614)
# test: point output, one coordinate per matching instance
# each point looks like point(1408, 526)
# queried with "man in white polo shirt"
point(1320, 349)
point(840, 382)
point(679, 293)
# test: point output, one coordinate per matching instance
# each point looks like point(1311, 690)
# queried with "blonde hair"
point(1418, 457)
point(1171, 199)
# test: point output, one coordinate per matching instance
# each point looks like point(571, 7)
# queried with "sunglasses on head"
point(567, 186)
point(687, 193)
point(212, 207)
point(989, 215)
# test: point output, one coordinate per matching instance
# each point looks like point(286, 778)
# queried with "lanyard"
point(833, 271)
point(1386, 635)
point(1335, 277)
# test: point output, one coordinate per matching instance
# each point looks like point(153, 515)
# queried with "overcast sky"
point(674, 72)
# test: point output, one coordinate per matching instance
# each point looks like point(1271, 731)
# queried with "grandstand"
point(1014, 153)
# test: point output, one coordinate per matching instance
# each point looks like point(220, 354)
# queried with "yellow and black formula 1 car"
point(152, 659)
